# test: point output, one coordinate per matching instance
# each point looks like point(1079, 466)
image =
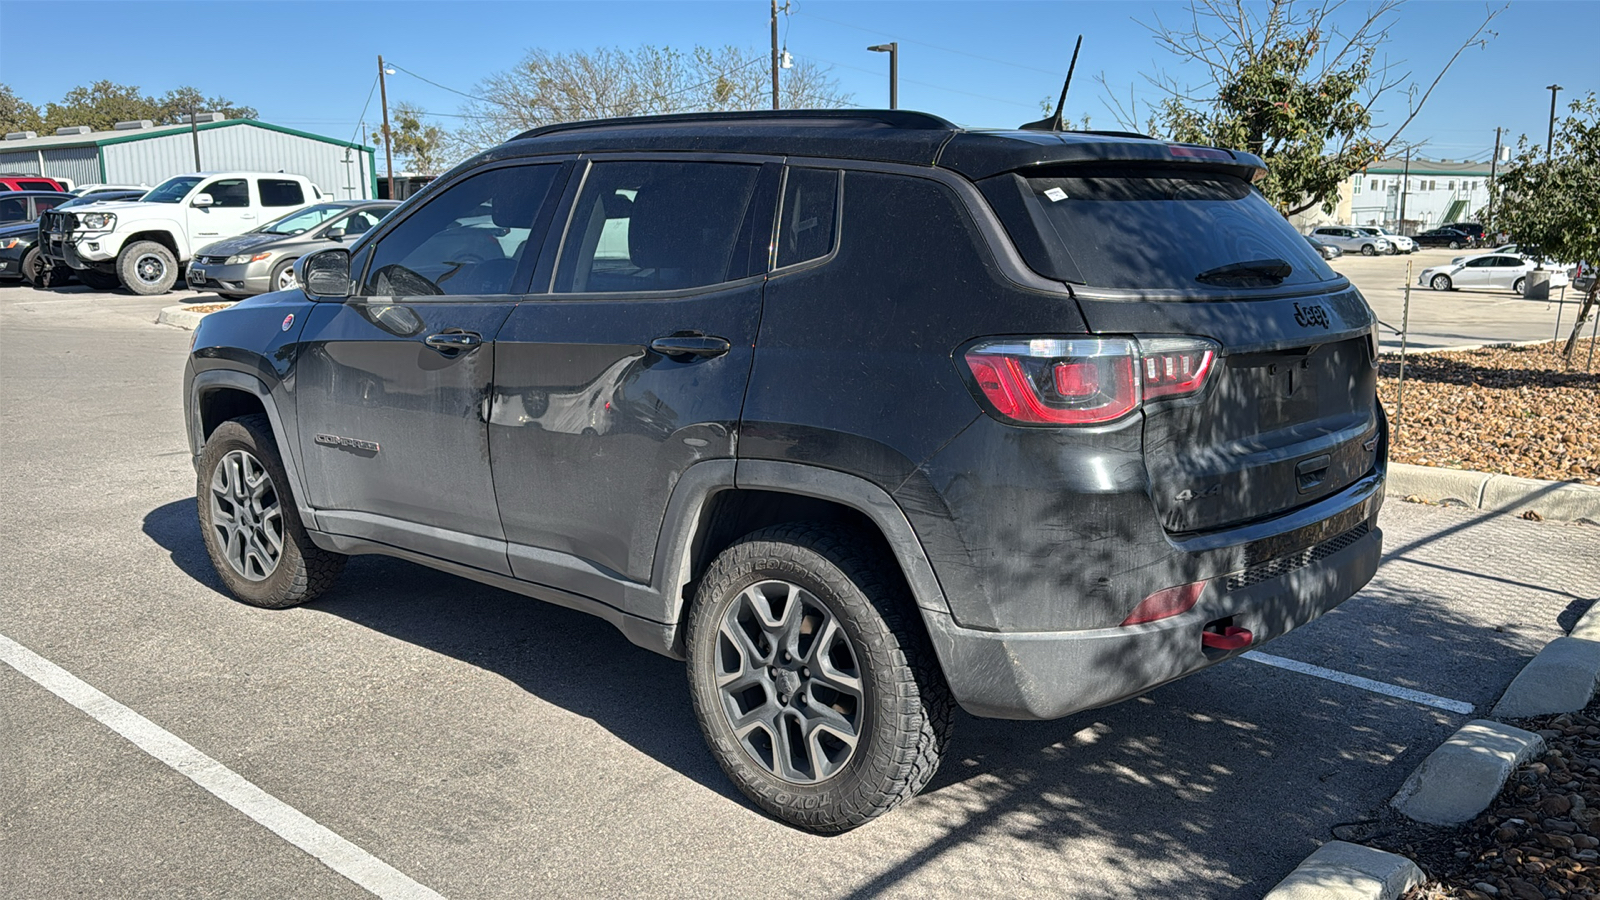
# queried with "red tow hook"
point(1231, 638)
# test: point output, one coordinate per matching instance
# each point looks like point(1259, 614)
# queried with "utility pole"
point(1494, 165)
point(194, 131)
point(775, 53)
point(1550, 138)
point(893, 49)
point(388, 144)
point(1405, 183)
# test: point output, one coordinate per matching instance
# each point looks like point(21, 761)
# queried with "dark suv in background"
point(861, 413)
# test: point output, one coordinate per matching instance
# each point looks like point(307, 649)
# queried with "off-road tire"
point(303, 569)
point(1440, 283)
point(1368, 250)
point(147, 268)
point(100, 281)
point(907, 713)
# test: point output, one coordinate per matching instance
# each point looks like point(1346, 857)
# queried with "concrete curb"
point(1560, 679)
point(183, 317)
point(1462, 777)
point(1554, 500)
point(1341, 871)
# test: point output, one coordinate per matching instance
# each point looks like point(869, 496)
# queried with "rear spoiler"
point(980, 154)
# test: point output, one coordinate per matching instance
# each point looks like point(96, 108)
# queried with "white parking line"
point(1356, 681)
point(227, 785)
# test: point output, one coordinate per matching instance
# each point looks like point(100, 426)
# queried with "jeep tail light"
point(1166, 603)
point(1085, 381)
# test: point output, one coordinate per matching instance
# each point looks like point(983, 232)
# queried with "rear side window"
point(656, 226)
point(808, 220)
point(39, 185)
point(280, 192)
point(40, 204)
point(1162, 230)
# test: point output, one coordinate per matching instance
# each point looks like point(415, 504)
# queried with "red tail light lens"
point(1166, 603)
point(1085, 381)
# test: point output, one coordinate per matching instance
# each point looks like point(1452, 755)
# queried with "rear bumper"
point(1046, 675)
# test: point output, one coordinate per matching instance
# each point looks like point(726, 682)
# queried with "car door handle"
point(703, 346)
point(453, 341)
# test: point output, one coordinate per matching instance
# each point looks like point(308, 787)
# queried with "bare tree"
point(1293, 82)
point(546, 88)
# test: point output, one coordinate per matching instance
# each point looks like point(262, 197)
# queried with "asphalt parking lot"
point(1451, 318)
point(486, 745)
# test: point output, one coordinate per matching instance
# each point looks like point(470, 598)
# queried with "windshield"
point(1164, 229)
point(173, 190)
point(303, 220)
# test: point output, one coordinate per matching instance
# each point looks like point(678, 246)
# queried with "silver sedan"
point(263, 260)
point(1491, 270)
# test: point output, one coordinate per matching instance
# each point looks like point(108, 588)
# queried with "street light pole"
point(388, 144)
point(1550, 138)
point(775, 54)
point(893, 49)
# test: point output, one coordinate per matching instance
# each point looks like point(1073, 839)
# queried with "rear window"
point(1164, 230)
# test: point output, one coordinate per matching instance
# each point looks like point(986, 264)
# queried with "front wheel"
point(812, 679)
point(283, 276)
point(33, 265)
point(147, 268)
point(249, 522)
point(1368, 250)
point(1519, 286)
point(1440, 282)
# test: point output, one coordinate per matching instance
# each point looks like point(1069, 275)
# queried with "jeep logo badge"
point(1312, 314)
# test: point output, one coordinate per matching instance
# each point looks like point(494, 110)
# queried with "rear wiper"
point(1255, 273)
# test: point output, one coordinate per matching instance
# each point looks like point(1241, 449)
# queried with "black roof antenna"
point(1055, 122)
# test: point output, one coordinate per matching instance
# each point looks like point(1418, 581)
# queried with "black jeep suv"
point(861, 413)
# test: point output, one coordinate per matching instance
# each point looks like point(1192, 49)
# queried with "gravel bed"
point(1512, 411)
point(1539, 840)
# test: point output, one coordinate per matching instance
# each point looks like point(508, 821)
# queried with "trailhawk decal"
point(344, 443)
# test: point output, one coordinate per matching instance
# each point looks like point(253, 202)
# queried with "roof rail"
point(894, 118)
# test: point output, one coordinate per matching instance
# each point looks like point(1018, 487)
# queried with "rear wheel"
point(147, 268)
point(249, 522)
point(1440, 282)
point(1455, 245)
point(812, 680)
point(1368, 250)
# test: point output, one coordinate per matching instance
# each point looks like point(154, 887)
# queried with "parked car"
point(1490, 270)
point(263, 260)
point(988, 450)
point(1443, 237)
point(1398, 243)
point(1582, 278)
point(1328, 251)
point(29, 183)
point(1512, 249)
point(97, 188)
point(19, 242)
point(1472, 229)
point(143, 244)
point(27, 206)
point(1351, 239)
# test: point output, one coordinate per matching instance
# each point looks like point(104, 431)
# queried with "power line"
point(438, 85)
point(361, 118)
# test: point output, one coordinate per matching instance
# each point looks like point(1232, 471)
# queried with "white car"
point(1490, 270)
point(1399, 242)
point(1352, 240)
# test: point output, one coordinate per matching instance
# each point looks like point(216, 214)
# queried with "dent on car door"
point(631, 370)
point(393, 382)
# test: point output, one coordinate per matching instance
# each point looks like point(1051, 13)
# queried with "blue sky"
point(311, 65)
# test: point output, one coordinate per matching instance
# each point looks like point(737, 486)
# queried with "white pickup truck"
point(144, 244)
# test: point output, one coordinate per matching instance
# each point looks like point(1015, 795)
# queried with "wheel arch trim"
point(229, 379)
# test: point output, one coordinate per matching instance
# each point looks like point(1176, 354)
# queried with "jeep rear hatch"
point(1286, 414)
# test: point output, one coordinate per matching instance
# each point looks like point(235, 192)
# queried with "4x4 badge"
point(287, 321)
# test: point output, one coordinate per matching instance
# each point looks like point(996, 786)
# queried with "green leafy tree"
point(104, 103)
point(1550, 202)
point(546, 88)
point(1289, 81)
point(420, 146)
point(17, 114)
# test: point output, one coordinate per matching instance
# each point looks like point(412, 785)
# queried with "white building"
point(140, 153)
point(1436, 192)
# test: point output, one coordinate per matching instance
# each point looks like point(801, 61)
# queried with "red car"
point(29, 183)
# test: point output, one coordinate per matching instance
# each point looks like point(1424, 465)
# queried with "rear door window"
point(808, 220)
point(1163, 229)
point(280, 192)
point(657, 226)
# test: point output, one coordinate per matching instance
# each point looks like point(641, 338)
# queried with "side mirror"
point(326, 275)
point(335, 234)
point(202, 201)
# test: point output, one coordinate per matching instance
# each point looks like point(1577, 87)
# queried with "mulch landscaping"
point(1539, 840)
point(1513, 411)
